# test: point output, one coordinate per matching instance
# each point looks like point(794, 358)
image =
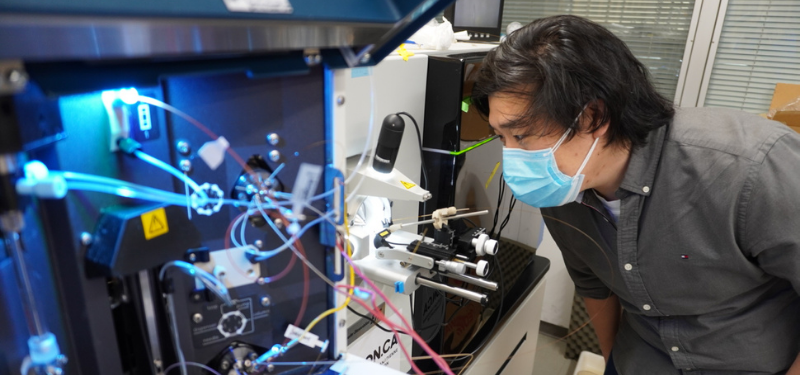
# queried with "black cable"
point(471, 222)
point(421, 154)
point(511, 204)
point(499, 311)
point(371, 319)
point(502, 189)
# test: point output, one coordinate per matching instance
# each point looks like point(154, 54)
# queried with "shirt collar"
point(642, 165)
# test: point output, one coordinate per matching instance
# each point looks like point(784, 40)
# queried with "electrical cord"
point(511, 204)
point(502, 185)
point(373, 321)
point(419, 140)
point(471, 222)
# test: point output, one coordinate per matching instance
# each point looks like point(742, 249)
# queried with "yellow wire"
point(341, 307)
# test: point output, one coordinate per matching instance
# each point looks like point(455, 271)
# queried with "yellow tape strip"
point(492, 175)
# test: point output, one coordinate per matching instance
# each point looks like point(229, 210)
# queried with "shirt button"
point(646, 189)
point(628, 267)
point(646, 307)
point(675, 348)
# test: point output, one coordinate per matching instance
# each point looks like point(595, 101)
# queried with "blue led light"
point(129, 96)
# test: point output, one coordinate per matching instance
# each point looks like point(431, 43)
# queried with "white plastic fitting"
point(219, 273)
point(441, 216)
point(482, 268)
point(39, 183)
point(484, 245)
point(450, 266)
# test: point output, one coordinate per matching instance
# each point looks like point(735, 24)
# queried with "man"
point(679, 227)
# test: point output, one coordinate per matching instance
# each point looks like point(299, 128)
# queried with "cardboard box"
point(785, 106)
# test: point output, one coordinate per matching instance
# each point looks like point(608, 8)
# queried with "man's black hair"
point(559, 65)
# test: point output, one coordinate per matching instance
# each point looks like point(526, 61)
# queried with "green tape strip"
point(465, 103)
point(470, 148)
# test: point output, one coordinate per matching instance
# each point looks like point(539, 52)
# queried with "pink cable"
point(435, 356)
point(378, 314)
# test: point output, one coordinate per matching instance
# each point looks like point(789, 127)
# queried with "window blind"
point(654, 30)
point(759, 46)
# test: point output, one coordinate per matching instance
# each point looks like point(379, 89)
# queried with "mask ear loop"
point(560, 141)
point(563, 137)
point(589, 155)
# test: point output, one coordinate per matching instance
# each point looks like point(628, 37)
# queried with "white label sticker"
point(309, 339)
point(305, 185)
point(259, 6)
point(382, 347)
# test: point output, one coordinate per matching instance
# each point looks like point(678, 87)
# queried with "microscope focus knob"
point(484, 245)
point(490, 247)
point(482, 268)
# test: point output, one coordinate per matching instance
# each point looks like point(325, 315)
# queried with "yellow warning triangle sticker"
point(154, 223)
point(408, 185)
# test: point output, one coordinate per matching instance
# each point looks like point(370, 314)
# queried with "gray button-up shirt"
point(705, 257)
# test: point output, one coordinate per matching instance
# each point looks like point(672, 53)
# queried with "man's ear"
point(594, 112)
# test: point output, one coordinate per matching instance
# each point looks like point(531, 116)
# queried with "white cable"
point(206, 278)
point(236, 222)
point(81, 181)
point(290, 244)
point(265, 254)
point(173, 322)
point(25, 367)
point(367, 149)
point(369, 130)
point(242, 239)
point(169, 169)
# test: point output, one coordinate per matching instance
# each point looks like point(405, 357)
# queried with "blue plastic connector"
point(43, 349)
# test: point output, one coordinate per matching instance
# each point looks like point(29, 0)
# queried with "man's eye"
point(520, 137)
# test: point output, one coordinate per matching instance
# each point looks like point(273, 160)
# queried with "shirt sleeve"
point(587, 283)
point(771, 214)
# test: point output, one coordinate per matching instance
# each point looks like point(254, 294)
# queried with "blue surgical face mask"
point(535, 179)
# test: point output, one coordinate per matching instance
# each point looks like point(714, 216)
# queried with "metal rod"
point(35, 325)
point(468, 264)
point(468, 294)
point(469, 214)
point(486, 284)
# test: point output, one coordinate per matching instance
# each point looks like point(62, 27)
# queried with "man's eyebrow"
point(510, 124)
